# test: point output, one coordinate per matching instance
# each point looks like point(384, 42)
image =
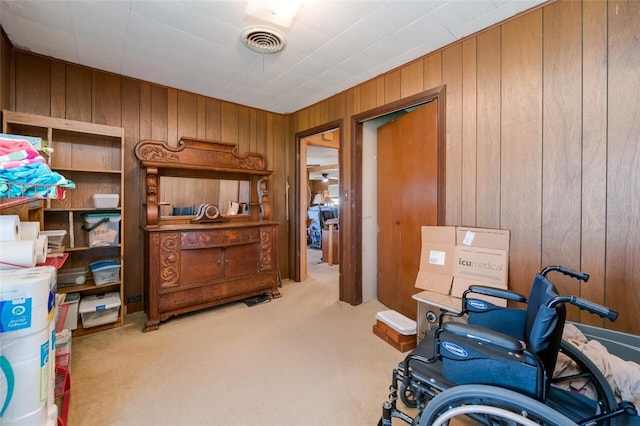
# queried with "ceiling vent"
point(263, 39)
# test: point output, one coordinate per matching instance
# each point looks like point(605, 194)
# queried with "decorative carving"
point(266, 241)
point(169, 257)
point(198, 153)
point(155, 153)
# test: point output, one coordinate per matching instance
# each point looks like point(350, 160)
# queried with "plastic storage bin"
point(103, 228)
point(54, 237)
point(105, 272)
point(70, 303)
point(97, 310)
point(106, 201)
point(73, 276)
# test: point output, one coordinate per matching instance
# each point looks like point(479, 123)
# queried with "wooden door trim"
point(351, 278)
point(296, 261)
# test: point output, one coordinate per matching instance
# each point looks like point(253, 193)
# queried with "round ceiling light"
point(263, 39)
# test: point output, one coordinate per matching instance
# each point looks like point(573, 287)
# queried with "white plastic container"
point(397, 321)
point(97, 310)
point(106, 201)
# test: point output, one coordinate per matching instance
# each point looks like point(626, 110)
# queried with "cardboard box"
point(452, 258)
point(483, 237)
point(437, 258)
point(484, 265)
point(434, 282)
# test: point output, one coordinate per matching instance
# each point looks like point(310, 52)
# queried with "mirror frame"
point(202, 158)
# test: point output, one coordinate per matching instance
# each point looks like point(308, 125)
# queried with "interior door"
point(389, 214)
point(407, 200)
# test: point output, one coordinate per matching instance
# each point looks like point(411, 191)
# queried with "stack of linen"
point(25, 173)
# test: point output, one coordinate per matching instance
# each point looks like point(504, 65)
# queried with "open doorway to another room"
point(322, 213)
point(319, 207)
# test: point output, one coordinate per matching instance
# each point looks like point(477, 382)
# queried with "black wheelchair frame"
point(499, 364)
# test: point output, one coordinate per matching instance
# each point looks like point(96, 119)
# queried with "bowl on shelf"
point(106, 201)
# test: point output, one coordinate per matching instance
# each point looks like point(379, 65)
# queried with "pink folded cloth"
point(20, 158)
point(11, 145)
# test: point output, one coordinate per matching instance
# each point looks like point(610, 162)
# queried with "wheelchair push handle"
point(586, 305)
point(594, 308)
point(566, 271)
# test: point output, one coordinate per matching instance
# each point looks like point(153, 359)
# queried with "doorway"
point(407, 194)
point(318, 183)
point(351, 284)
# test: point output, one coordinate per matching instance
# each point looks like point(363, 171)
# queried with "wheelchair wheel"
point(408, 396)
point(606, 399)
point(489, 405)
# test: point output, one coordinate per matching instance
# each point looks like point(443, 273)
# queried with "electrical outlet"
point(134, 298)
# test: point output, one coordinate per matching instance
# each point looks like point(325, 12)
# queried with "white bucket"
point(27, 307)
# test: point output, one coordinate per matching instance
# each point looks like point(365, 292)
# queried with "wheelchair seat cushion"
point(466, 360)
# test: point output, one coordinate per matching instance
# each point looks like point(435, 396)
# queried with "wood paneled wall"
point(542, 139)
point(5, 64)
point(49, 87)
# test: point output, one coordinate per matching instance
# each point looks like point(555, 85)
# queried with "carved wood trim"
point(198, 154)
point(266, 250)
point(169, 260)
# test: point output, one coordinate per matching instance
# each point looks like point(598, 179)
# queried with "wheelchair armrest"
point(495, 292)
point(482, 334)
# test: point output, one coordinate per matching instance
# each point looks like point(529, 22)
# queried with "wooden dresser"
point(198, 266)
point(194, 263)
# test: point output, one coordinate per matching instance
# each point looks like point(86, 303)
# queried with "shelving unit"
point(92, 156)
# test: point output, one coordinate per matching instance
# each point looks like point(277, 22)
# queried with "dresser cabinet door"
point(240, 261)
point(199, 265)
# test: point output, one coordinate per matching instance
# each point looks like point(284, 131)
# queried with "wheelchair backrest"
point(543, 325)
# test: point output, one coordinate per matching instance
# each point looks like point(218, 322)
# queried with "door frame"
point(351, 278)
point(299, 261)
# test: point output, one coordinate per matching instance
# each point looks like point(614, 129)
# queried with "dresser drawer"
point(218, 238)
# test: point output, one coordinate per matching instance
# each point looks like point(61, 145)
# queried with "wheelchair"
point(497, 368)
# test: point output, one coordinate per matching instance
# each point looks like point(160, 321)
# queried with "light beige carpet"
point(303, 359)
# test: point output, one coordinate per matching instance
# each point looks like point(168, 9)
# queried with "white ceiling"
point(321, 156)
point(194, 45)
